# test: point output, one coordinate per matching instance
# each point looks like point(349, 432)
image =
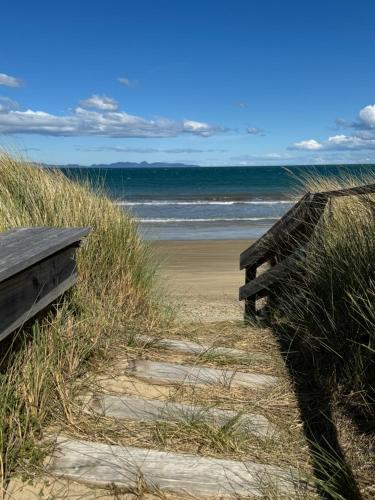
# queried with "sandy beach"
point(204, 275)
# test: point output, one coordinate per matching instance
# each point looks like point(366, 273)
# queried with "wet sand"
point(204, 275)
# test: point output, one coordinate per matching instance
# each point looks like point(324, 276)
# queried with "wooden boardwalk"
point(130, 408)
point(103, 464)
point(178, 474)
point(193, 369)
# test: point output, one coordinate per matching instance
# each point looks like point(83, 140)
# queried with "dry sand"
point(204, 276)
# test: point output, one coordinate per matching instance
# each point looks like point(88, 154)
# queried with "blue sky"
point(205, 82)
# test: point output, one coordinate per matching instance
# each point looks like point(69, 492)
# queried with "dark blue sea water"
point(206, 202)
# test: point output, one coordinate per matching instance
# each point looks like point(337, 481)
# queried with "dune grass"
point(325, 314)
point(40, 365)
point(330, 300)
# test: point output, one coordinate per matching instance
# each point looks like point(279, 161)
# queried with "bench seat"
point(37, 265)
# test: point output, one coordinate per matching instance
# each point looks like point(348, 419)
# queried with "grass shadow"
point(334, 477)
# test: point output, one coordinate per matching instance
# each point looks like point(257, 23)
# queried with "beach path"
point(202, 410)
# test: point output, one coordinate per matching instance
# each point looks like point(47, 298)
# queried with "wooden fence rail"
point(283, 243)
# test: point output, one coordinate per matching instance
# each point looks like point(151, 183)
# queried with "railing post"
point(250, 309)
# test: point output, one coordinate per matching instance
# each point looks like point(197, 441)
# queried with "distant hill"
point(124, 164)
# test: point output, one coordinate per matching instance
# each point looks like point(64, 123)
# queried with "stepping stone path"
point(103, 464)
point(130, 408)
point(174, 373)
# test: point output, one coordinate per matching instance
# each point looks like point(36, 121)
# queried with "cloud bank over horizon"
point(98, 115)
point(361, 138)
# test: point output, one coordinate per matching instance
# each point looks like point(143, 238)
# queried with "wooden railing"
point(284, 243)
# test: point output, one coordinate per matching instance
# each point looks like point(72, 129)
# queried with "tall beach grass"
point(114, 296)
point(329, 302)
point(325, 313)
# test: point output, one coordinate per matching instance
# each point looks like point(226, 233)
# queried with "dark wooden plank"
point(354, 191)
point(300, 218)
point(258, 253)
point(262, 284)
point(255, 253)
point(31, 290)
point(250, 304)
point(23, 247)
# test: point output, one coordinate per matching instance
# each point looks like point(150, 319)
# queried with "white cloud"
point(310, 145)
point(101, 102)
point(7, 104)
point(367, 116)
point(127, 82)
point(296, 158)
point(9, 81)
point(361, 138)
point(84, 122)
point(199, 128)
point(255, 131)
point(337, 143)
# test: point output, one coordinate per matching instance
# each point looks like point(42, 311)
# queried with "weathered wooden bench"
point(37, 265)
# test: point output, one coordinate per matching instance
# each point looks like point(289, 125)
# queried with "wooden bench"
point(37, 265)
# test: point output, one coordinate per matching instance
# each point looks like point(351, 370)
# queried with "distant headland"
point(124, 164)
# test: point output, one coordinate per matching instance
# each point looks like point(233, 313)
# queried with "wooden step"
point(103, 464)
point(189, 347)
point(131, 408)
point(173, 373)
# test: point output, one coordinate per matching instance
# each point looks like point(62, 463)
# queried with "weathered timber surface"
point(37, 265)
point(173, 373)
point(257, 253)
point(301, 217)
point(131, 408)
point(281, 244)
point(103, 464)
point(22, 247)
point(354, 191)
point(305, 212)
point(250, 303)
point(262, 284)
point(31, 290)
point(189, 347)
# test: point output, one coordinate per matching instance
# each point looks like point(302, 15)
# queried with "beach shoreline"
point(203, 275)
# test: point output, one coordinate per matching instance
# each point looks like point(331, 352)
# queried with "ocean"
point(187, 203)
